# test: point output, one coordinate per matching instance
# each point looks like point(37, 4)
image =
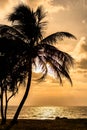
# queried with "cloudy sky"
point(62, 15)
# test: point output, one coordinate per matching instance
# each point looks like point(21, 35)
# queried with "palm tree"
point(23, 45)
point(10, 74)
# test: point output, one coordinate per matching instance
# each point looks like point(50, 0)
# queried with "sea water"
point(48, 112)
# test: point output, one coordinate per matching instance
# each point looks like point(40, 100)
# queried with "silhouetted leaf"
point(57, 36)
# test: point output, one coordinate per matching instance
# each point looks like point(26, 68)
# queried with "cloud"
point(83, 64)
point(80, 53)
point(81, 47)
point(68, 3)
point(3, 3)
point(6, 6)
point(47, 4)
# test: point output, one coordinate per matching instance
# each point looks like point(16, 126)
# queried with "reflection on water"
point(53, 112)
point(45, 112)
point(49, 112)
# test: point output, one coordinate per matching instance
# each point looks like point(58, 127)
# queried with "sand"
point(57, 124)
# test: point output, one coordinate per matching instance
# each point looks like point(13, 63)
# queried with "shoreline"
point(57, 124)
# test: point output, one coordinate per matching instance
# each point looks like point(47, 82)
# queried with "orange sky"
point(63, 15)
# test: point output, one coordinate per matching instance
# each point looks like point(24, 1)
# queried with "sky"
point(62, 15)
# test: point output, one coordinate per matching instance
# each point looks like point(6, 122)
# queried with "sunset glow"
point(62, 15)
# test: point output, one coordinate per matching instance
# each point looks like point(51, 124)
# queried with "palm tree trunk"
point(2, 107)
point(25, 95)
point(6, 105)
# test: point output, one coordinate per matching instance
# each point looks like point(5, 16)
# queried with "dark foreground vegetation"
point(57, 124)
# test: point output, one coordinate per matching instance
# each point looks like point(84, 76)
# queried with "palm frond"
point(22, 14)
point(15, 71)
point(40, 14)
point(9, 46)
point(57, 36)
point(59, 69)
point(28, 22)
point(60, 56)
point(9, 30)
point(59, 61)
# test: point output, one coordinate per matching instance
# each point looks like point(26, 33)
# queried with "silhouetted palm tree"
point(10, 58)
point(22, 45)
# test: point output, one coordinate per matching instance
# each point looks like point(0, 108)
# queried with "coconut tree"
point(24, 46)
point(10, 75)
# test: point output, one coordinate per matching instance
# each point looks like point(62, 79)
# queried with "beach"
point(57, 124)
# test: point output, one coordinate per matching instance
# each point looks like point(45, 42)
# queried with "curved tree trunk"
point(2, 106)
point(25, 95)
point(6, 105)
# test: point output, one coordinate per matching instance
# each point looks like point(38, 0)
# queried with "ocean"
point(48, 112)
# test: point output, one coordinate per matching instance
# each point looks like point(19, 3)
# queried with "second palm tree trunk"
point(25, 95)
